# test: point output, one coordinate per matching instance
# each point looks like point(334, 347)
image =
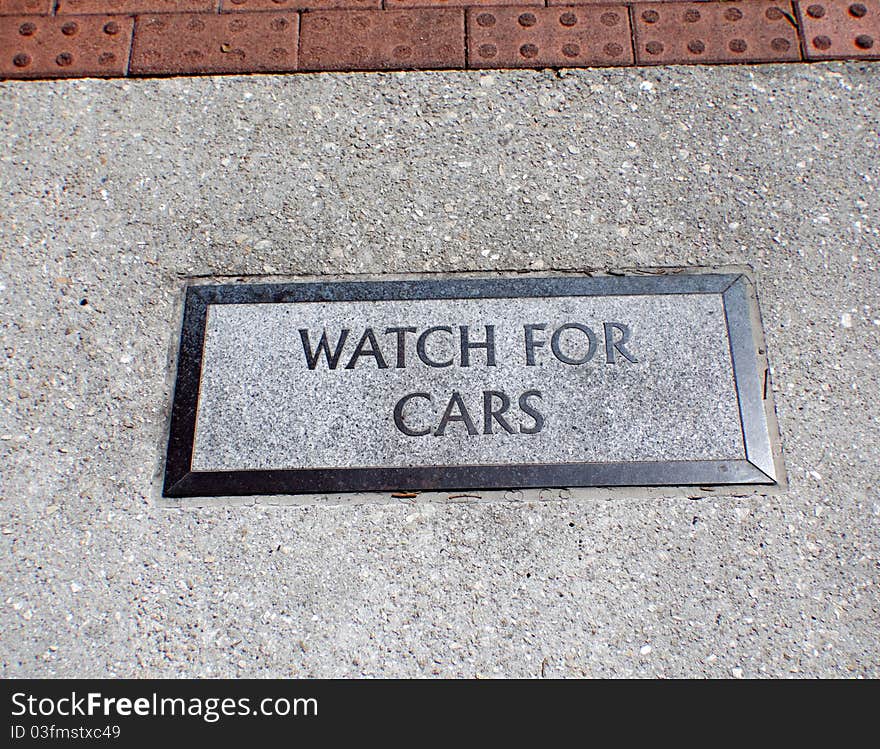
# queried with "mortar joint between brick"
point(467, 54)
point(134, 22)
point(799, 27)
point(299, 36)
point(631, 11)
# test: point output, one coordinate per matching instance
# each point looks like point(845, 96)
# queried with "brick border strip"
point(116, 38)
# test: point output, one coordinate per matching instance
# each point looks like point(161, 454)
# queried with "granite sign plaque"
point(643, 380)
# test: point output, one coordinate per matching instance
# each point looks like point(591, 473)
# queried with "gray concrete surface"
point(112, 191)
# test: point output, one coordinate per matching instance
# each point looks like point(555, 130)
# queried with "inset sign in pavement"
point(654, 380)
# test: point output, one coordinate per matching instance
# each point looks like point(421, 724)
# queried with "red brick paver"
point(715, 32)
point(64, 47)
point(461, 3)
point(193, 37)
point(248, 6)
point(841, 29)
point(526, 37)
point(131, 7)
point(553, 3)
point(21, 7)
point(427, 38)
point(191, 43)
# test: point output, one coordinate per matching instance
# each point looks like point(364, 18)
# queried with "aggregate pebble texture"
point(199, 37)
point(126, 187)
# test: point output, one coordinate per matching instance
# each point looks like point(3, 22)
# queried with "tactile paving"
point(22, 7)
point(132, 7)
point(259, 43)
point(193, 37)
point(423, 38)
point(727, 32)
point(523, 37)
point(840, 29)
point(64, 47)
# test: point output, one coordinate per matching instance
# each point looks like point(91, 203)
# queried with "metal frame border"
point(756, 467)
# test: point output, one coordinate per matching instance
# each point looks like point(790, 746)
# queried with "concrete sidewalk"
point(114, 191)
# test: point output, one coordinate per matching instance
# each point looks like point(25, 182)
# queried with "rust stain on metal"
point(728, 32)
point(424, 38)
point(68, 47)
point(170, 44)
point(841, 30)
point(524, 37)
point(133, 7)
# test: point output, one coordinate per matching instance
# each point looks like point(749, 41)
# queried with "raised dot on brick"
point(857, 10)
point(733, 14)
point(780, 45)
point(610, 19)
